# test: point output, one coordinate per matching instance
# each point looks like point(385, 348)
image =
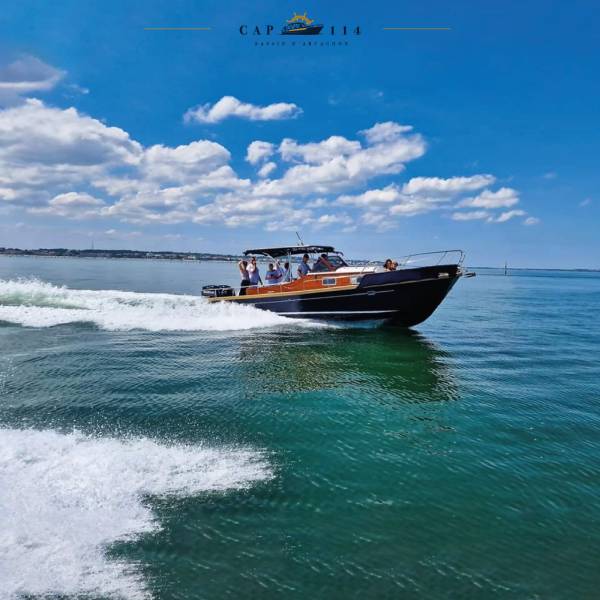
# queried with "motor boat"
point(337, 290)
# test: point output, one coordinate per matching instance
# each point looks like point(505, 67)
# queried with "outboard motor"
point(217, 291)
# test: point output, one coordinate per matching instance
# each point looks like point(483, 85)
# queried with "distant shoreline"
point(199, 257)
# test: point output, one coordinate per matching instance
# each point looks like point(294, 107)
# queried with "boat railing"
point(430, 259)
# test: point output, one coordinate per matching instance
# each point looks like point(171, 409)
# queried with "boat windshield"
point(335, 260)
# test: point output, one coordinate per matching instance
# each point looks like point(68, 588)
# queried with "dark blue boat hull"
point(406, 297)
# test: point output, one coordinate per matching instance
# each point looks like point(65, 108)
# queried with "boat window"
point(329, 281)
point(334, 260)
point(356, 280)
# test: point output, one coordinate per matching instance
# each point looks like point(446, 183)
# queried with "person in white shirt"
point(253, 272)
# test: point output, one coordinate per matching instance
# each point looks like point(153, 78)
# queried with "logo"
point(301, 25)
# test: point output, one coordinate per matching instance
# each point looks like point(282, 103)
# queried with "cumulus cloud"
point(72, 205)
point(63, 163)
point(183, 163)
point(258, 151)
point(325, 170)
point(229, 106)
point(450, 186)
point(509, 214)
point(318, 152)
point(503, 198)
point(470, 215)
point(385, 132)
point(386, 195)
point(27, 75)
point(267, 169)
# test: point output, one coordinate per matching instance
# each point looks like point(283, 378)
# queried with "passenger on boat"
point(394, 265)
point(253, 272)
point(243, 267)
point(286, 274)
point(323, 264)
point(304, 268)
point(273, 275)
point(388, 265)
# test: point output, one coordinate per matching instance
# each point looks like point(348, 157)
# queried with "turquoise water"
point(152, 446)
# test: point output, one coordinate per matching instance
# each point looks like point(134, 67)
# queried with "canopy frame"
point(290, 251)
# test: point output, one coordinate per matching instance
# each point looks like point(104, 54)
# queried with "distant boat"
point(301, 25)
point(336, 290)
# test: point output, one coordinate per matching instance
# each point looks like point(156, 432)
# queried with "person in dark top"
point(323, 264)
point(245, 282)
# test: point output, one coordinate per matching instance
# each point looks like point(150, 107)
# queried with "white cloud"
point(35, 134)
point(385, 132)
point(509, 214)
point(317, 203)
point(329, 172)
point(381, 220)
point(267, 169)
point(72, 205)
point(258, 151)
point(531, 221)
point(327, 220)
point(503, 198)
point(228, 106)
point(470, 215)
point(64, 163)
point(450, 186)
point(27, 75)
point(318, 152)
point(184, 163)
point(386, 195)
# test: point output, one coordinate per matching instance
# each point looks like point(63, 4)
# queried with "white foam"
point(65, 497)
point(34, 303)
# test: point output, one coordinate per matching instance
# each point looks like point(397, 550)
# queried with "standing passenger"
point(304, 268)
point(253, 272)
point(243, 267)
point(286, 273)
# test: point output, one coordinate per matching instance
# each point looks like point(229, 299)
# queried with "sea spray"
point(65, 497)
point(34, 303)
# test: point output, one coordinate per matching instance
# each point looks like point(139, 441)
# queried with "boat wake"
point(65, 497)
point(34, 303)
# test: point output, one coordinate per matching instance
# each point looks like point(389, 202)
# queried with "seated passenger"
point(304, 268)
point(273, 275)
point(394, 265)
point(323, 264)
point(388, 265)
point(286, 274)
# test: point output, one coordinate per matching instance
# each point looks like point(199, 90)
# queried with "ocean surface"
point(155, 446)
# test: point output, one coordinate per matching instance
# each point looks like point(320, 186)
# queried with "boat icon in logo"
point(301, 25)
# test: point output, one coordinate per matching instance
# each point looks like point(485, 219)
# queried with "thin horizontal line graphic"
point(417, 28)
point(177, 28)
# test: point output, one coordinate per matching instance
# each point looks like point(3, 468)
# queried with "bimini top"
point(277, 252)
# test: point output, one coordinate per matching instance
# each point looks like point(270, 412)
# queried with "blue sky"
point(484, 137)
